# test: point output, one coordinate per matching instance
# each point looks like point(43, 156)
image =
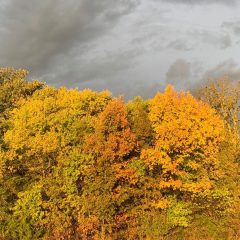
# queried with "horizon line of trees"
point(87, 165)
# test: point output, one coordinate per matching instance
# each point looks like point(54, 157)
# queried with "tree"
point(43, 150)
point(224, 96)
point(184, 159)
point(139, 121)
point(13, 87)
point(112, 144)
point(85, 165)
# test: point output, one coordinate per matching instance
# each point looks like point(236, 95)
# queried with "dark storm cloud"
point(179, 73)
point(37, 33)
point(228, 68)
point(195, 2)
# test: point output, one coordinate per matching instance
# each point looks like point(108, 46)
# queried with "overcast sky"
point(131, 47)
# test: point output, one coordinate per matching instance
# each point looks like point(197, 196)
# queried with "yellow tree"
point(13, 87)
point(224, 96)
point(44, 161)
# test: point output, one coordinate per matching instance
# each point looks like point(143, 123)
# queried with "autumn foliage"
point(86, 165)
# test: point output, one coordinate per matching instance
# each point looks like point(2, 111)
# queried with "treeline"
point(86, 165)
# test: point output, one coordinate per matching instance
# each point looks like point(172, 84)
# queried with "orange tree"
point(183, 168)
point(107, 191)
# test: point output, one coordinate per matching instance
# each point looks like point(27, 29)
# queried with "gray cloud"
point(147, 90)
point(180, 45)
point(35, 34)
point(233, 26)
point(218, 39)
point(125, 45)
point(179, 73)
point(225, 42)
point(195, 2)
point(227, 68)
point(94, 71)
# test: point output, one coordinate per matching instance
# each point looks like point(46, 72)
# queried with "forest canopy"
point(80, 164)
